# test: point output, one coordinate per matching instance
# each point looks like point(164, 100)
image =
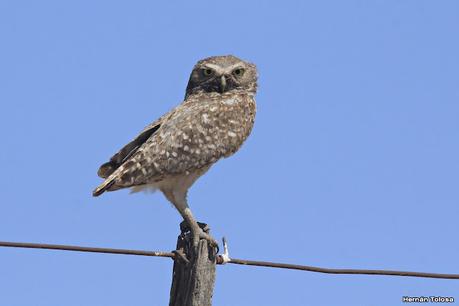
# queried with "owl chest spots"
point(205, 132)
point(230, 101)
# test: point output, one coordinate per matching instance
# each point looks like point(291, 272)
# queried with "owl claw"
point(200, 234)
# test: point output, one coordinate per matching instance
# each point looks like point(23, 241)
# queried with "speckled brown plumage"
point(171, 153)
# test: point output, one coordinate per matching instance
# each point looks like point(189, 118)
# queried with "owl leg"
point(178, 199)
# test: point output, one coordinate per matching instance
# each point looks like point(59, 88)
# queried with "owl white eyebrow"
point(230, 68)
point(220, 70)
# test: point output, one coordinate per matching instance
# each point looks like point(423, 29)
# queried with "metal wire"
point(84, 249)
point(341, 271)
point(231, 261)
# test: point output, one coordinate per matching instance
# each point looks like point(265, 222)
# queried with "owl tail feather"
point(103, 187)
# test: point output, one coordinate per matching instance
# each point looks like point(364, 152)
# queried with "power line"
point(83, 249)
point(341, 271)
point(236, 261)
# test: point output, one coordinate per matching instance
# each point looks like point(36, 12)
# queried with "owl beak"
point(222, 84)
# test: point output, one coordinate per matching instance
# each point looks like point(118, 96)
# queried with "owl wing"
point(191, 137)
point(126, 152)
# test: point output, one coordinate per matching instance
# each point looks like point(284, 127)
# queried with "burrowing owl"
point(170, 154)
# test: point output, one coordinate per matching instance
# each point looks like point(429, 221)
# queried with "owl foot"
point(199, 231)
point(200, 234)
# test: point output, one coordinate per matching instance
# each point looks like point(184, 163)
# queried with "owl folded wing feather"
point(115, 167)
point(127, 151)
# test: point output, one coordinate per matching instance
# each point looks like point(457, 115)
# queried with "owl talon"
point(200, 234)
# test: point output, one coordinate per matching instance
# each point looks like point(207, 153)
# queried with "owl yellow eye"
point(207, 71)
point(238, 71)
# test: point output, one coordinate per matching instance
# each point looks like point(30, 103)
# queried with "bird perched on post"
point(170, 154)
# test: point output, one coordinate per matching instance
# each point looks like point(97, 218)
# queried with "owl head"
point(221, 74)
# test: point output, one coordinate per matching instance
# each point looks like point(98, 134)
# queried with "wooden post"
point(193, 276)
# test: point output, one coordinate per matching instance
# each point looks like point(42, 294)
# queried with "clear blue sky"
point(353, 161)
